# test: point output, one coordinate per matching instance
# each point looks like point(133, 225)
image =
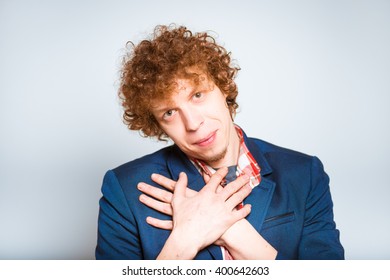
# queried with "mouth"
point(207, 140)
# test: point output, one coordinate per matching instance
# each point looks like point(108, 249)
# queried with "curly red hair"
point(149, 71)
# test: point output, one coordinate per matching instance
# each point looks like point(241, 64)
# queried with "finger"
point(216, 179)
point(242, 213)
point(181, 185)
point(206, 177)
point(234, 186)
point(163, 224)
point(155, 192)
point(219, 189)
point(167, 183)
point(159, 206)
point(239, 196)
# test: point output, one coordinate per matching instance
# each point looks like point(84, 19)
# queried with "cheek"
point(220, 112)
point(174, 132)
point(220, 105)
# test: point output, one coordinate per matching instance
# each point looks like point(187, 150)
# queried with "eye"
point(169, 114)
point(198, 95)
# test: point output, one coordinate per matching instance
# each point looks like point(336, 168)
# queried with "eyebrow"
point(161, 110)
point(164, 107)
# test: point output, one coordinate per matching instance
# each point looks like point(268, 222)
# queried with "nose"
point(192, 119)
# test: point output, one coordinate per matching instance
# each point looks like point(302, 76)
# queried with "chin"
point(215, 157)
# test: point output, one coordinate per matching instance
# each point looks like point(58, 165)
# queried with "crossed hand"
point(198, 218)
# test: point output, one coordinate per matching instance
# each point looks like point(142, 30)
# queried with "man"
point(214, 194)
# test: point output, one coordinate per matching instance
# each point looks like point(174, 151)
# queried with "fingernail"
point(140, 186)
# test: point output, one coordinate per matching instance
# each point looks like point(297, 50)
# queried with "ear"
point(232, 112)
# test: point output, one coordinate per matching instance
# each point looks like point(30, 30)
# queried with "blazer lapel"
point(260, 199)
point(261, 196)
point(178, 162)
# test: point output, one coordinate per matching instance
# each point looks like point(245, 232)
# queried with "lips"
point(207, 140)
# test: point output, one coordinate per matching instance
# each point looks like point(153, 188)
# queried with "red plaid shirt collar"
point(246, 163)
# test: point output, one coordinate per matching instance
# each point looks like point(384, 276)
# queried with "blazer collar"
point(178, 162)
point(258, 155)
point(261, 196)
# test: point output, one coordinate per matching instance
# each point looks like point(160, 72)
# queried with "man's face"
point(197, 119)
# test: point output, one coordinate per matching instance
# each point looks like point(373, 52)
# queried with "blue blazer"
point(291, 208)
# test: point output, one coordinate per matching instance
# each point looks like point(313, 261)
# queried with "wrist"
point(231, 234)
point(178, 247)
point(244, 242)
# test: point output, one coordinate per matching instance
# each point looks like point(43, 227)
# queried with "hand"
point(198, 218)
point(241, 238)
point(160, 200)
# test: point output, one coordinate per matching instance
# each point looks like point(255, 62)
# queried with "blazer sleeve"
point(117, 231)
point(320, 238)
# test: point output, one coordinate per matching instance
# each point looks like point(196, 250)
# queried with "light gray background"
point(315, 78)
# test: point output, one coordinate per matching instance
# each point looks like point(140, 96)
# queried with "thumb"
point(181, 185)
point(206, 177)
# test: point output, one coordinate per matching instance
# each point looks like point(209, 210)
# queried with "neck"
point(232, 151)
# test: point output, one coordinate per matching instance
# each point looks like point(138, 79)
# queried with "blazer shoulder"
point(267, 149)
point(280, 158)
point(151, 163)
